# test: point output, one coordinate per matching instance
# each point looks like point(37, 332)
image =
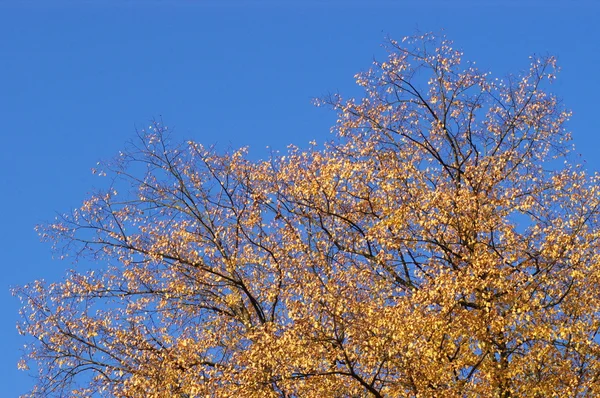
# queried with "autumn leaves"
point(433, 248)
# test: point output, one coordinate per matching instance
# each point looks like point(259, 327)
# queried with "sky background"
point(78, 77)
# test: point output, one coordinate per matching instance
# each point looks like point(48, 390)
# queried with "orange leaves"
point(434, 248)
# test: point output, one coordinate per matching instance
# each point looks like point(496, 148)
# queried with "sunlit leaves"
point(436, 247)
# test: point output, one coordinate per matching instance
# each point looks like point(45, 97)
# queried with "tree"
point(445, 243)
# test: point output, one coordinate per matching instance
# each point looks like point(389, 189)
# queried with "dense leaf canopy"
point(444, 243)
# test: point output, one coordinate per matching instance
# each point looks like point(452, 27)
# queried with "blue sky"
point(77, 78)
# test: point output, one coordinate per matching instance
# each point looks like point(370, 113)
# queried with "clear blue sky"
point(77, 77)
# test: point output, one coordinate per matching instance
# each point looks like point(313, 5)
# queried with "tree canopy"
point(443, 243)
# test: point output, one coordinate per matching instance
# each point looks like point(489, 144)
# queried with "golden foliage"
point(443, 245)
